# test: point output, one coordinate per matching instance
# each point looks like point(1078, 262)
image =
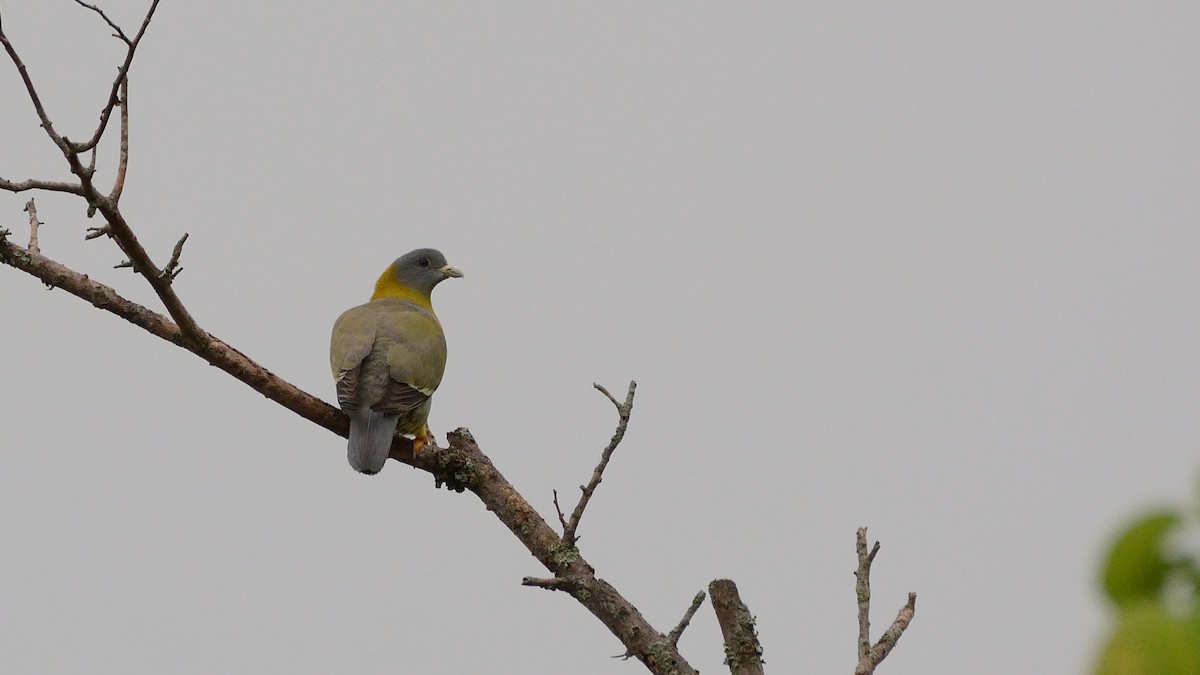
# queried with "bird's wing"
point(353, 337)
point(415, 354)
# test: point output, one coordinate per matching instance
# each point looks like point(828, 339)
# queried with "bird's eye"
point(423, 262)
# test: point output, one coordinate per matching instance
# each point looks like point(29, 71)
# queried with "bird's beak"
point(450, 271)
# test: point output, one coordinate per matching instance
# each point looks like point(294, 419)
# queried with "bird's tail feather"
point(370, 439)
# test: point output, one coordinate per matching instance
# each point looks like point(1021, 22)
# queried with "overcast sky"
point(926, 267)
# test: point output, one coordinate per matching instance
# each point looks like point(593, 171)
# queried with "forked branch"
point(871, 655)
point(624, 410)
point(107, 204)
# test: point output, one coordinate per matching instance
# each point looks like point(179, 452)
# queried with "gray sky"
point(926, 267)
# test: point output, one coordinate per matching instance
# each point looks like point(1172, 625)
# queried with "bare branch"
point(122, 72)
point(892, 635)
point(743, 653)
point(677, 631)
point(550, 584)
point(213, 350)
point(123, 160)
point(558, 509)
point(120, 34)
point(34, 223)
point(94, 232)
point(462, 466)
point(870, 656)
point(173, 269)
point(47, 185)
point(862, 589)
point(31, 91)
point(600, 388)
point(118, 228)
point(623, 412)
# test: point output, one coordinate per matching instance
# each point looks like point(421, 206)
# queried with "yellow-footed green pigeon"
point(388, 356)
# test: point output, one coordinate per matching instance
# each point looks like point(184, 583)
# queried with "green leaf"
point(1150, 641)
point(1136, 567)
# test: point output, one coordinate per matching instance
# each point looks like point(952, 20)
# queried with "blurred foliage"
point(1152, 579)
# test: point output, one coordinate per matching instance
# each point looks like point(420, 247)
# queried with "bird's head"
point(413, 275)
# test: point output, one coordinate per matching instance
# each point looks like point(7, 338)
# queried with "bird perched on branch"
point(388, 357)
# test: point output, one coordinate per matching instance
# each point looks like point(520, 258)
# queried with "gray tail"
point(370, 439)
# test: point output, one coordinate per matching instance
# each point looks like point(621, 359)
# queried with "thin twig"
point(743, 652)
point(561, 520)
point(870, 656)
point(623, 412)
point(677, 631)
point(122, 72)
point(549, 583)
point(120, 34)
point(603, 390)
point(31, 91)
point(123, 160)
point(115, 221)
point(173, 269)
point(47, 185)
point(94, 232)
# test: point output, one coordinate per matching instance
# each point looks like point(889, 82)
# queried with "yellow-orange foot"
point(419, 441)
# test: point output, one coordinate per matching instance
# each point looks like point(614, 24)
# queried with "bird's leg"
point(420, 439)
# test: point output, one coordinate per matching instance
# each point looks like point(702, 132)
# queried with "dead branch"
point(123, 158)
point(94, 232)
point(34, 224)
point(119, 34)
point(549, 583)
point(213, 350)
point(173, 269)
point(461, 466)
point(743, 653)
point(122, 72)
point(106, 205)
point(47, 185)
point(677, 631)
point(870, 656)
point(623, 412)
point(562, 521)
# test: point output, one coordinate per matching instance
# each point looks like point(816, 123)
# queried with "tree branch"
point(870, 656)
point(47, 185)
point(30, 90)
point(173, 269)
point(743, 653)
point(122, 72)
point(623, 412)
point(119, 34)
point(214, 351)
point(677, 631)
point(461, 466)
point(106, 205)
point(123, 158)
point(34, 224)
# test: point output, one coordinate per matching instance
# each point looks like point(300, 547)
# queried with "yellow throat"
point(388, 287)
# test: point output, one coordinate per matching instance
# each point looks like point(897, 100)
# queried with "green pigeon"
point(388, 356)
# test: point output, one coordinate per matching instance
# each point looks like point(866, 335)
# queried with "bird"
point(388, 356)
